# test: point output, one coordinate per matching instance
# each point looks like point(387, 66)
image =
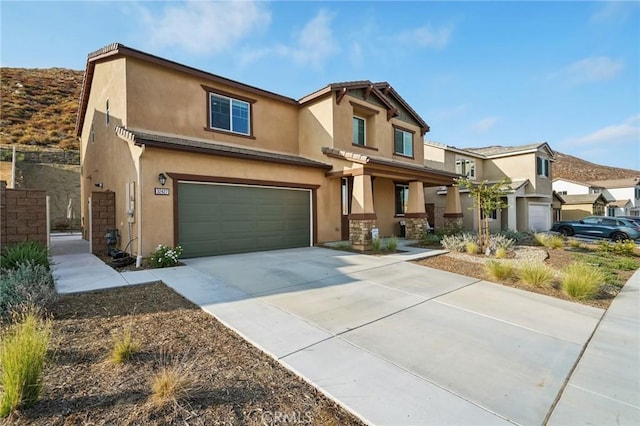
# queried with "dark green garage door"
point(222, 219)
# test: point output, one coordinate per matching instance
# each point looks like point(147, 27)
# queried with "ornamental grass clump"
point(165, 256)
point(23, 351)
point(549, 241)
point(537, 274)
point(392, 244)
point(376, 245)
point(29, 251)
point(175, 380)
point(472, 248)
point(582, 281)
point(124, 347)
point(498, 270)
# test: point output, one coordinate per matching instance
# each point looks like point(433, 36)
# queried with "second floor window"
point(466, 167)
point(359, 131)
point(230, 114)
point(542, 166)
point(403, 142)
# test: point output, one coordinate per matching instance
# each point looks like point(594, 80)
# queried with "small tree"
point(486, 198)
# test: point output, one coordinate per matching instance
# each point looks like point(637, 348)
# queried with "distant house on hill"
point(622, 195)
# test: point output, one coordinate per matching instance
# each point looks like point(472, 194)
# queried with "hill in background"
point(39, 107)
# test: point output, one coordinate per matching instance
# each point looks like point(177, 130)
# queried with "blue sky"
point(480, 73)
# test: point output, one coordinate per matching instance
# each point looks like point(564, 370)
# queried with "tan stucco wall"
point(168, 101)
point(384, 204)
point(315, 129)
point(519, 167)
point(158, 210)
point(576, 211)
point(108, 83)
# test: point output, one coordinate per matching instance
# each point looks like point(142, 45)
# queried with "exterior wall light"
point(162, 178)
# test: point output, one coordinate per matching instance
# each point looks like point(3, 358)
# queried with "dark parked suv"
point(599, 226)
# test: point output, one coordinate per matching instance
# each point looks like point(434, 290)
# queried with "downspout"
point(139, 193)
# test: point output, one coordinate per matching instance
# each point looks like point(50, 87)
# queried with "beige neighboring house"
point(622, 196)
point(219, 166)
point(528, 167)
point(577, 206)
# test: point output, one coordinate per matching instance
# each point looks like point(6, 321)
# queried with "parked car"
point(599, 226)
point(635, 219)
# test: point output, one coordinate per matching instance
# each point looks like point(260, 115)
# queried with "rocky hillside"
point(39, 106)
point(573, 168)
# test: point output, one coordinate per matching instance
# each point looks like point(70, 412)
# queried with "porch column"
point(363, 217)
point(453, 208)
point(512, 217)
point(416, 215)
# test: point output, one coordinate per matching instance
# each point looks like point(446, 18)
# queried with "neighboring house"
point(247, 169)
point(622, 195)
point(556, 205)
point(577, 206)
point(528, 167)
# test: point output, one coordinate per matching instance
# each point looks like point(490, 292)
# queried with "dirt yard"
point(234, 383)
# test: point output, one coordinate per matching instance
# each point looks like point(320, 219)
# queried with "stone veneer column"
point(416, 216)
point(362, 217)
point(453, 209)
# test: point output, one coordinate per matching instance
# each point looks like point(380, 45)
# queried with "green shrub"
point(458, 242)
point(514, 235)
point(165, 256)
point(626, 247)
point(581, 280)
point(23, 353)
point(623, 263)
point(451, 228)
point(536, 274)
point(472, 248)
point(429, 238)
point(28, 251)
point(392, 244)
point(27, 284)
point(498, 270)
point(376, 245)
point(124, 347)
point(604, 246)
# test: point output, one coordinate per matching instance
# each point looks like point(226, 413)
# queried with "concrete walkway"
point(397, 343)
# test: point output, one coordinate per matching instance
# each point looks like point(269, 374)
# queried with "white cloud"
point(314, 43)
point(428, 36)
point(203, 27)
point(485, 124)
point(590, 70)
point(612, 11)
point(628, 130)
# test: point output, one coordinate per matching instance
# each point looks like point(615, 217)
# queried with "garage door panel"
point(221, 219)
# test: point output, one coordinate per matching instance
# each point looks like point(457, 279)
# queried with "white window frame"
point(545, 167)
point(364, 130)
point(404, 134)
point(231, 100)
point(462, 164)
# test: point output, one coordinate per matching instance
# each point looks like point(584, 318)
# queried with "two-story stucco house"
point(621, 197)
point(528, 167)
point(219, 166)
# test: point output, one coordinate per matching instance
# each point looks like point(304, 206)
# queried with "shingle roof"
point(181, 143)
point(582, 198)
point(619, 203)
point(617, 183)
point(497, 150)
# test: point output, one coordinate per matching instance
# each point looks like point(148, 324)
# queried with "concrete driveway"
point(394, 342)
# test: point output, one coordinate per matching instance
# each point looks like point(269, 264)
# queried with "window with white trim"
point(403, 142)
point(543, 166)
point(229, 114)
point(402, 198)
point(359, 131)
point(466, 167)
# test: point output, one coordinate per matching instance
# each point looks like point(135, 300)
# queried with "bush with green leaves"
point(28, 251)
point(516, 236)
point(428, 238)
point(581, 280)
point(458, 242)
point(23, 351)
point(537, 274)
point(392, 244)
point(498, 270)
point(625, 247)
point(27, 284)
point(165, 256)
point(376, 245)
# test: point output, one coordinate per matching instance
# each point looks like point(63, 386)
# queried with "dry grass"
point(175, 380)
point(498, 270)
point(124, 346)
point(536, 274)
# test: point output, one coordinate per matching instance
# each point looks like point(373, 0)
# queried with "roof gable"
point(497, 151)
point(617, 183)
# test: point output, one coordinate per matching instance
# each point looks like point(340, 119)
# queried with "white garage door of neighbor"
point(539, 217)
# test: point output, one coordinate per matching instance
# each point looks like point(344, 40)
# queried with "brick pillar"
point(103, 218)
point(3, 215)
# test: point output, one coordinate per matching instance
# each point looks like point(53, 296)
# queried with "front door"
point(346, 192)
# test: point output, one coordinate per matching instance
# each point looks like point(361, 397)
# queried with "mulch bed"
point(236, 383)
